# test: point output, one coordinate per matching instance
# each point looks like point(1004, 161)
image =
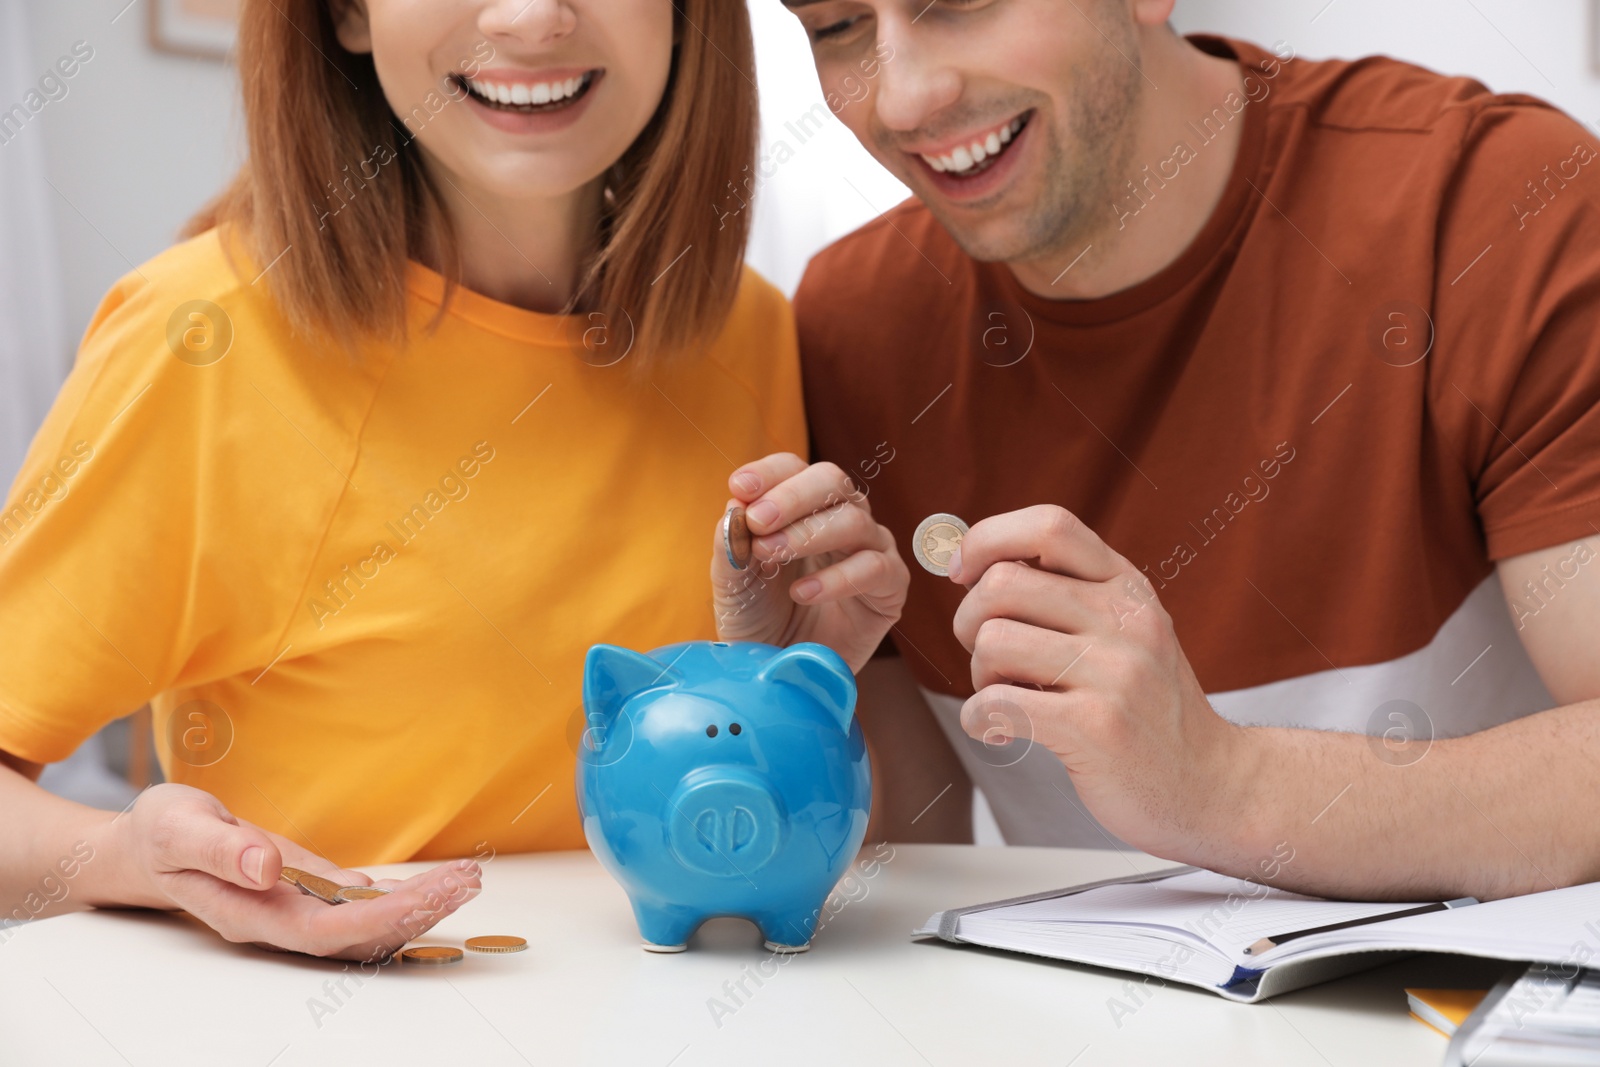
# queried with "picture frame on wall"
point(202, 28)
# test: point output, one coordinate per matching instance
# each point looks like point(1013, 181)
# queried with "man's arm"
point(920, 792)
point(1505, 811)
point(1554, 597)
point(1498, 813)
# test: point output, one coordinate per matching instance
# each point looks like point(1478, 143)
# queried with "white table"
point(147, 988)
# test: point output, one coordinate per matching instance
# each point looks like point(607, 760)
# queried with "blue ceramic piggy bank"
point(721, 779)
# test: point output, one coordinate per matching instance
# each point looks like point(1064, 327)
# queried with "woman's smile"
point(548, 90)
point(530, 102)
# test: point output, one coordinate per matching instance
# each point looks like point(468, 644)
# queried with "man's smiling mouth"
point(980, 153)
point(527, 97)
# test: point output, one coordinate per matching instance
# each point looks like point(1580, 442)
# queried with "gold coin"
point(434, 955)
point(324, 889)
point(361, 892)
point(497, 943)
point(736, 538)
point(292, 875)
point(936, 540)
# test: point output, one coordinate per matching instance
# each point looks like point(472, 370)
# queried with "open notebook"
point(1193, 926)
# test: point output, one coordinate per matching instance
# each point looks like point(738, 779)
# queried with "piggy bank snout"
point(727, 823)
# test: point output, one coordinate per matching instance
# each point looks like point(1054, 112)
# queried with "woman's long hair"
point(338, 241)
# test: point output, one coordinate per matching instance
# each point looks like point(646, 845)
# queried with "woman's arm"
point(47, 846)
point(179, 848)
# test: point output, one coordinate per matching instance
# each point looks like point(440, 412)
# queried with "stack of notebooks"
point(1443, 1010)
point(1247, 941)
point(1546, 1017)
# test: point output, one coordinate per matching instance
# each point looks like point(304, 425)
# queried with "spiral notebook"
point(1207, 930)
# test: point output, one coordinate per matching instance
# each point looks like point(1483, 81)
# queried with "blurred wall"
point(1543, 47)
point(815, 183)
point(137, 144)
point(32, 349)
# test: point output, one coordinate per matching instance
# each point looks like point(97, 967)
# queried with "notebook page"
point(1556, 925)
point(1227, 913)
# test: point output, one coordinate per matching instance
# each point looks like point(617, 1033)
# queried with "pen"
point(1275, 940)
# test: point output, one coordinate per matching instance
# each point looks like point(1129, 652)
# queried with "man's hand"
point(1072, 650)
point(823, 569)
point(178, 847)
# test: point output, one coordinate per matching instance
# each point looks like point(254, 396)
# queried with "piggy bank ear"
point(611, 675)
point(818, 670)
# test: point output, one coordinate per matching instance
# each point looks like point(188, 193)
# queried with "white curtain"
point(34, 353)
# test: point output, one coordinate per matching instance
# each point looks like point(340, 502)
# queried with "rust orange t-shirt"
point(1374, 372)
point(359, 592)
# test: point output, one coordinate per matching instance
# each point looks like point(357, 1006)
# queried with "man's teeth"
point(968, 156)
point(523, 93)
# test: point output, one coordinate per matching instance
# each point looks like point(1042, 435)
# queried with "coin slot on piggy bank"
point(733, 781)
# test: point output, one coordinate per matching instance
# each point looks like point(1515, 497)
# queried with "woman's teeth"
point(523, 94)
point(968, 157)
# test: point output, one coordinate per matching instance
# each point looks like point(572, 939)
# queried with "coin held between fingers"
point(736, 538)
point(936, 540)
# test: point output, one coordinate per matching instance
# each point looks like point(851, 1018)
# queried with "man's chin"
point(1035, 233)
point(994, 241)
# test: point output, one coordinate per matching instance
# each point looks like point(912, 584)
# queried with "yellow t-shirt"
point(358, 592)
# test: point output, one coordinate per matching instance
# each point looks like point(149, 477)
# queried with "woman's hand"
point(178, 847)
point(822, 568)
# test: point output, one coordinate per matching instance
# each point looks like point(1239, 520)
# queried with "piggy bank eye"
point(711, 731)
point(733, 728)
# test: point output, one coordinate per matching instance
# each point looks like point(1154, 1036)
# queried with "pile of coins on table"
point(331, 892)
point(436, 955)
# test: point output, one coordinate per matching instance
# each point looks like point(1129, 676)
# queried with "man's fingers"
point(998, 713)
point(1010, 590)
point(1053, 535)
point(751, 480)
point(1009, 651)
point(816, 488)
point(200, 835)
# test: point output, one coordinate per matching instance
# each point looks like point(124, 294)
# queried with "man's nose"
point(918, 80)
